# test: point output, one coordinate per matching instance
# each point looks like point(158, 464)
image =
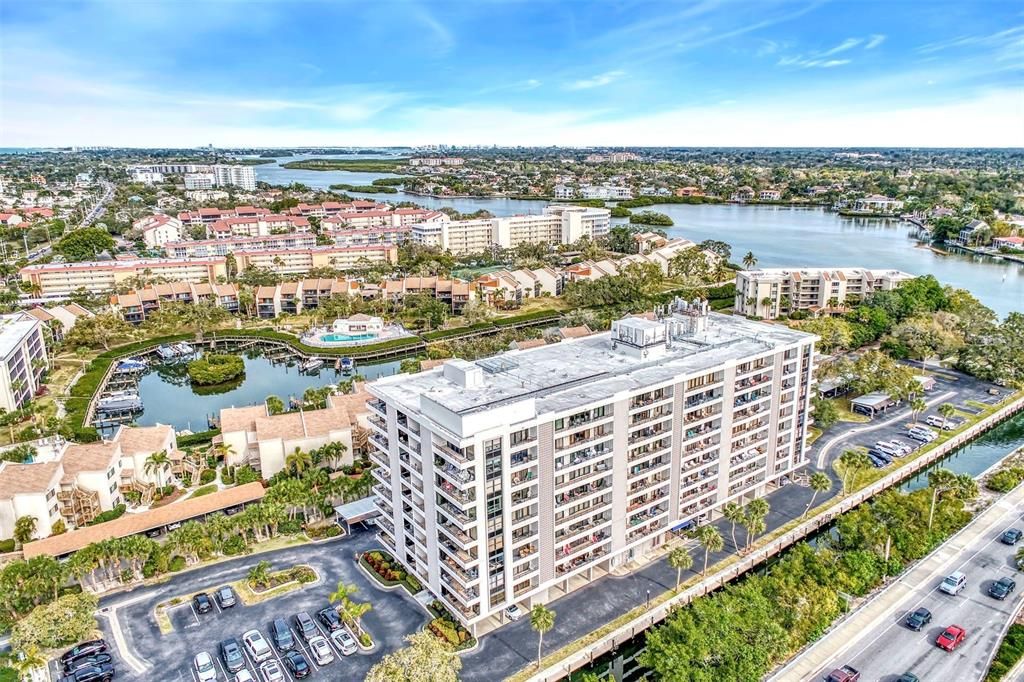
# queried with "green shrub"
point(246, 474)
point(197, 438)
point(205, 490)
point(234, 546)
point(177, 563)
point(207, 476)
point(1010, 651)
point(7, 545)
point(103, 517)
point(289, 527)
point(213, 369)
point(1002, 481)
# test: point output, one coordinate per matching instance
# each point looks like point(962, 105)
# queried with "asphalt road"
point(889, 648)
point(141, 652)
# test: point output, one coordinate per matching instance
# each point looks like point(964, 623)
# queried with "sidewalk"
point(858, 624)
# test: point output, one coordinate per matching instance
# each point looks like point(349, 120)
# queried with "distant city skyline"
point(711, 73)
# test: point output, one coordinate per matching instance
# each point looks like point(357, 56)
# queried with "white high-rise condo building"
point(518, 478)
point(771, 292)
point(236, 176)
point(22, 359)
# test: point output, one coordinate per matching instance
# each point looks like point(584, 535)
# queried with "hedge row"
point(197, 438)
point(1010, 651)
point(455, 331)
point(536, 316)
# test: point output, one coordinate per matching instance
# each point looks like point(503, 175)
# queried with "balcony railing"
point(453, 472)
point(581, 560)
point(583, 491)
point(452, 453)
point(580, 545)
point(463, 497)
point(596, 520)
point(581, 456)
point(593, 507)
point(702, 398)
point(450, 510)
point(649, 399)
point(649, 432)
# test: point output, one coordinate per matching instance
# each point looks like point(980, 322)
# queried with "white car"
point(244, 675)
point(321, 650)
point(344, 641)
point(270, 671)
point(258, 647)
point(206, 671)
point(514, 612)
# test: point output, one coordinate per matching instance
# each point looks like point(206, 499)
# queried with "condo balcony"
point(461, 497)
point(703, 430)
point(751, 426)
point(522, 496)
point(594, 506)
point(650, 415)
point(460, 456)
point(647, 499)
point(700, 491)
point(583, 475)
point(702, 413)
point(528, 550)
point(650, 398)
point(378, 406)
point(524, 533)
point(698, 462)
point(466, 576)
point(749, 367)
point(379, 458)
point(582, 438)
point(649, 432)
point(583, 418)
point(649, 467)
point(380, 441)
point(522, 458)
point(748, 483)
point(582, 492)
point(460, 537)
point(523, 477)
point(645, 530)
point(574, 548)
point(522, 571)
point(703, 445)
point(467, 594)
point(582, 456)
point(647, 483)
point(460, 518)
point(456, 604)
point(592, 522)
point(378, 422)
point(703, 398)
point(457, 475)
point(581, 560)
point(411, 463)
point(752, 396)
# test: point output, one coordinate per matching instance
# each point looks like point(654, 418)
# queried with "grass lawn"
point(533, 305)
point(846, 414)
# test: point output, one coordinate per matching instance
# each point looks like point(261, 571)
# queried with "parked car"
point(202, 603)
point(918, 619)
point(93, 646)
point(205, 669)
point(514, 612)
point(919, 433)
point(1002, 588)
point(305, 626)
point(90, 661)
point(174, 526)
point(257, 645)
point(231, 654)
point(1011, 536)
point(939, 423)
point(320, 650)
point(296, 663)
point(886, 448)
point(876, 460)
point(281, 635)
point(844, 674)
point(329, 618)
point(900, 447)
point(154, 532)
point(951, 637)
point(884, 456)
point(344, 641)
point(225, 597)
point(270, 671)
point(96, 673)
point(243, 675)
point(908, 677)
point(953, 583)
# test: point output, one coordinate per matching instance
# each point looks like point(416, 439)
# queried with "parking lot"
point(141, 652)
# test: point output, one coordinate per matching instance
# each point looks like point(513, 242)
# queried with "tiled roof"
point(131, 524)
point(148, 439)
point(23, 479)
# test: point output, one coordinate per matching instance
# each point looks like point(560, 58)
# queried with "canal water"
point(168, 398)
point(779, 236)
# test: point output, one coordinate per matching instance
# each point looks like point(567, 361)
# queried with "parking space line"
point(220, 665)
point(302, 646)
point(194, 614)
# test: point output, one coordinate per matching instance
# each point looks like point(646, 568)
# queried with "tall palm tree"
point(917, 406)
point(945, 481)
point(712, 541)
point(25, 528)
point(542, 619)
point(754, 519)
point(947, 410)
point(766, 303)
point(157, 463)
point(853, 461)
point(274, 405)
point(749, 260)
point(733, 513)
point(298, 461)
point(819, 483)
point(681, 560)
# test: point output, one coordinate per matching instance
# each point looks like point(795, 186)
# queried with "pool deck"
point(316, 338)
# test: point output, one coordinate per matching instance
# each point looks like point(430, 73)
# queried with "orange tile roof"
point(143, 438)
point(132, 524)
point(21, 479)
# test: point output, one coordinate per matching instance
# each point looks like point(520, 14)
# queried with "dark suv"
point(96, 673)
point(231, 654)
point(281, 635)
point(202, 603)
point(90, 661)
point(330, 618)
point(918, 619)
point(305, 626)
point(93, 646)
point(225, 597)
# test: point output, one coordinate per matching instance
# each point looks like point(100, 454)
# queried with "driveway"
point(127, 619)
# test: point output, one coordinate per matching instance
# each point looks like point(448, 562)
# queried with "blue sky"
point(529, 72)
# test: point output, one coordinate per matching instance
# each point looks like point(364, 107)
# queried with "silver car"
point(344, 641)
point(270, 671)
point(321, 650)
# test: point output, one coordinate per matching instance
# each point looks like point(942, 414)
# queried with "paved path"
point(873, 638)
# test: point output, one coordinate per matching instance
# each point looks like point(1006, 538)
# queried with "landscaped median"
point(1010, 652)
point(387, 572)
point(621, 630)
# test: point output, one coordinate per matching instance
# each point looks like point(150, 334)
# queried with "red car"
point(951, 638)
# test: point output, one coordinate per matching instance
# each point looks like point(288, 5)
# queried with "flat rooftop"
point(13, 330)
point(573, 373)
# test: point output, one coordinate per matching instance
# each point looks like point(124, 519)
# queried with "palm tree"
point(542, 619)
point(749, 260)
point(853, 462)
point(27, 660)
point(733, 513)
point(681, 560)
point(24, 529)
point(754, 519)
point(766, 303)
point(274, 405)
point(712, 541)
point(259, 574)
point(820, 483)
point(917, 406)
point(298, 461)
point(157, 463)
point(349, 610)
point(947, 410)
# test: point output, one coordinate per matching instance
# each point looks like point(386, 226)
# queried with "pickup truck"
point(844, 674)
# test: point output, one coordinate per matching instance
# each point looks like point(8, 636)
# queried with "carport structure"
point(355, 512)
point(872, 403)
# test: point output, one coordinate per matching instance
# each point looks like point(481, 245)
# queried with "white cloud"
point(847, 44)
point(597, 81)
point(876, 40)
point(812, 63)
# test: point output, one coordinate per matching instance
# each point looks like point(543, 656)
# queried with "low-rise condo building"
point(556, 225)
point(503, 480)
point(157, 230)
point(137, 305)
point(771, 292)
point(59, 280)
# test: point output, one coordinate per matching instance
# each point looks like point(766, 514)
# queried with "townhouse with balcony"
point(137, 305)
point(771, 292)
point(518, 478)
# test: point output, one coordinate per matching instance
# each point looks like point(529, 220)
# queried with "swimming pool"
point(342, 338)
